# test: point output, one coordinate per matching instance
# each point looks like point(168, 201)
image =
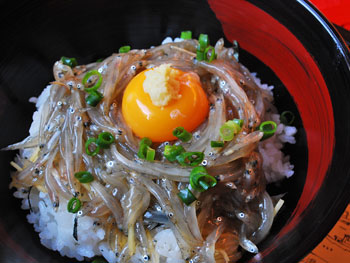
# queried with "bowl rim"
point(342, 197)
point(308, 26)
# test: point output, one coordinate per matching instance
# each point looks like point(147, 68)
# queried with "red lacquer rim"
point(272, 43)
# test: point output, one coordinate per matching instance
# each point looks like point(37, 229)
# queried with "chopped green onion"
point(268, 128)
point(124, 49)
point(217, 144)
point(186, 34)
point(199, 169)
point(200, 180)
point(200, 55)
point(94, 98)
point(142, 151)
point(150, 154)
point(145, 151)
point(146, 141)
point(203, 54)
point(203, 41)
point(73, 205)
point(72, 62)
point(172, 151)
point(105, 139)
point(187, 196)
point(227, 132)
point(86, 80)
point(201, 48)
point(229, 129)
point(190, 158)
point(182, 134)
point(287, 117)
point(236, 50)
point(99, 260)
point(87, 146)
point(84, 177)
point(239, 122)
point(212, 54)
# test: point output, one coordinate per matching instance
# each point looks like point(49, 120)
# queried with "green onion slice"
point(182, 134)
point(190, 158)
point(200, 180)
point(142, 151)
point(84, 177)
point(94, 98)
point(200, 55)
point(212, 54)
point(92, 85)
point(239, 122)
point(146, 141)
point(150, 154)
point(229, 129)
point(268, 128)
point(187, 196)
point(227, 132)
point(287, 117)
point(90, 142)
point(72, 62)
point(201, 48)
point(217, 144)
point(203, 41)
point(186, 34)
point(124, 49)
point(105, 139)
point(172, 151)
point(145, 151)
point(73, 205)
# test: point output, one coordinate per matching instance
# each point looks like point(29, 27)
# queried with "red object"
point(299, 73)
point(337, 11)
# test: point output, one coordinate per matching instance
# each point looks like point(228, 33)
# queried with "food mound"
point(154, 155)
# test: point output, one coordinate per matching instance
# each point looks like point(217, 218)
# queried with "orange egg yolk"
point(157, 123)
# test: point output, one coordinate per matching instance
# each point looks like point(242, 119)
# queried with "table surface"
point(335, 247)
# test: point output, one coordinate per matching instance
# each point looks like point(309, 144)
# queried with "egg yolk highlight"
point(189, 109)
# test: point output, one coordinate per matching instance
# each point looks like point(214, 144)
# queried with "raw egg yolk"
point(189, 109)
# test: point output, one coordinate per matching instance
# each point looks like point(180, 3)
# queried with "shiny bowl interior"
point(288, 43)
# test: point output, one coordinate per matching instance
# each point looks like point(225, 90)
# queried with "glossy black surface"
point(321, 40)
point(37, 33)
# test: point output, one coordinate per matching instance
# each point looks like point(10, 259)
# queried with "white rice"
point(56, 227)
point(166, 246)
point(276, 165)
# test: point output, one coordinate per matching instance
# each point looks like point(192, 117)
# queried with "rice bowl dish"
point(133, 206)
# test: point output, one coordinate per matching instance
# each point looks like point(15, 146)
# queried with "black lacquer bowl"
point(288, 43)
